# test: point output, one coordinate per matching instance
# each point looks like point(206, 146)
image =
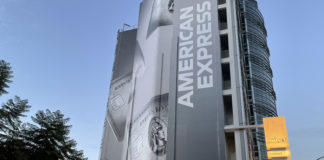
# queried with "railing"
point(261, 74)
point(259, 51)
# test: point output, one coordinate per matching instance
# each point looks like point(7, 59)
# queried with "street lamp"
point(320, 158)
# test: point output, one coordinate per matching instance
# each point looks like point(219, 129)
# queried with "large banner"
point(121, 87)
point(149, 115)
point(165, 99)
point(196, 122)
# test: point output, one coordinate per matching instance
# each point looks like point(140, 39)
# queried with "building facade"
point(184, 81)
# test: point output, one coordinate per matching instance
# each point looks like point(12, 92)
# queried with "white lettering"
point(204, 40)
point(205, 67)
point(186, 65)
point(186, 99)
point(186, 57)
point(205, 82)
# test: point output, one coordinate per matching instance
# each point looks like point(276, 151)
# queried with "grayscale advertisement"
point(149, 114)
point(149, 118)
point(196, 122)
point(137, 118)
point(119, 99)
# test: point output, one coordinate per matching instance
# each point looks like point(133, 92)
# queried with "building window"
point(221, 2)
point(228, 109)
point(226, 76)
point(222, 18)
point(224, 46)
point(230, 146)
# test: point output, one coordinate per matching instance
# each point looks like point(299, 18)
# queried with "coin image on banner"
point(149, 131)
point(157, 136)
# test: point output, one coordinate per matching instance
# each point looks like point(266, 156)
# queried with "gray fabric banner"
point(166, 97)
point(121, 86)
point(196, 116)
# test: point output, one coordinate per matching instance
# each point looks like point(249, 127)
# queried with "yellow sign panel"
point(275, 133)
point(278, 154)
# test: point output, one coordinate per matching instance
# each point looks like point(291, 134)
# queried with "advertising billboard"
point(118, 102)
point(165, 99)
point(149, 115)
point(196, 123)
point(137, 118)
point(275, 133)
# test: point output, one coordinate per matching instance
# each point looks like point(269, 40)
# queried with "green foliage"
point(12, 142)
point(45, 139)
point(5, 76)
point(10, 114)
point(50, 135)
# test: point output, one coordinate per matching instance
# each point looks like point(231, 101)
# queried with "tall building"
point(187, 81)
point(260, 98)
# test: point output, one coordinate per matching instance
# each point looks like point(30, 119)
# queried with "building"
point(184, 81)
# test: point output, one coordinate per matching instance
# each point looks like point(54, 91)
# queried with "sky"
point(62, 51)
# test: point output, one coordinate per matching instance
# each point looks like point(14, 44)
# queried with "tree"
point(5, 76)
point(12, 143)
point(50, 137)
point(46, 139)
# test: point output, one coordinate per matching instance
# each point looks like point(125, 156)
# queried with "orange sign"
point(278, 154)
point(275, 133)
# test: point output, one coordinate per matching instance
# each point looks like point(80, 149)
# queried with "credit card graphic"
point(149, 131)
point(118, 105)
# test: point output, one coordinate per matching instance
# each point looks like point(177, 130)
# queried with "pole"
point(235, 128)
point(125, 25)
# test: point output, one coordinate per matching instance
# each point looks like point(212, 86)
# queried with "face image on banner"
point(137, 118)
point(149, 131)
point(147, 138)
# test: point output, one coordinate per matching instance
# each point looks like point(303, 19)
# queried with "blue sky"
point(62, 52)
